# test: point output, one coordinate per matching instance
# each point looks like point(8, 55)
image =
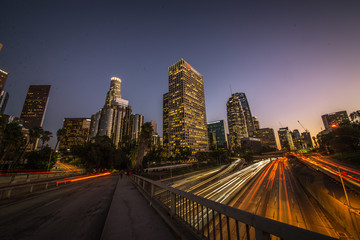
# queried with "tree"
point(45, 137)
point(40, 159)
point(145, 137)
point(13, 140)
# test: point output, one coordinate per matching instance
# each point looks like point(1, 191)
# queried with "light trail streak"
point(75, 179)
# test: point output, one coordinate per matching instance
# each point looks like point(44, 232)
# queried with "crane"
point(302, 126)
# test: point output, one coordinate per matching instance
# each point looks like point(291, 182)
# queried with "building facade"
point(332, 120)
point(137, 121)
point(4, 97)
point(33, 112)
point(186, 114)
point(217, 133)
point(113, 120)
point(286, 140)
point(77, 132)
point(267, 139)
point(166, 121)
point(256, 123)
point(236, 121)
point(3, 77)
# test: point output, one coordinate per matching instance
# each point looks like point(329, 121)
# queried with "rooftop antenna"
point(230, 90)
point(281, 124)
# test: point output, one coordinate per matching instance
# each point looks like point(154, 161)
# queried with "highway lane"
point(274, 193)
point(74, 211)
point(349, 175)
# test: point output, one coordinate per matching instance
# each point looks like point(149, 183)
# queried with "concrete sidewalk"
point(131, 217)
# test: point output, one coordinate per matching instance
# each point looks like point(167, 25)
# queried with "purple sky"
point(295, 60)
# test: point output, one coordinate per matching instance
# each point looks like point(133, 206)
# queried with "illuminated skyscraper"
point(3, 77)
point(166, 121)
point(33, 112)
point(137, 121)
point(113, 120)
point(256, 123)
point(4, 96)
point(267, 139)
point(286, 140)
point(186, 109)
point(236, 121)
point(77, 132)
point(332, 120)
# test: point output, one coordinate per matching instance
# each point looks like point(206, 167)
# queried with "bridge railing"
point(213, 220)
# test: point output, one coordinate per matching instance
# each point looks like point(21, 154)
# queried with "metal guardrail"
point(213, 220)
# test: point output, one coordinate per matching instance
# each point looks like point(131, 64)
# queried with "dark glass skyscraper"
point(186, 109)
point(219, 131)
point(34, 108)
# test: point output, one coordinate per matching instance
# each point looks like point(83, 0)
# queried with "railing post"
point(143, 185)
point(173, 204)
point(152, 190)
point(261, 235)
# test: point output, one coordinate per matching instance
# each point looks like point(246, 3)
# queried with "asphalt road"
point(74, 211)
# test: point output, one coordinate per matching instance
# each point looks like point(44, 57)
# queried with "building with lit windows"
point(218, 134)
point(286, 140)
point(185, 115)
point(137, 121)
point(333, 120)
point(77, 132)
point(166, 121)
point(33, 112)
point(113, 120)
point(4, 96)
point(267, 139)
point(307, 139)
point(256, 123)
point(3, 77)
point(236, 121)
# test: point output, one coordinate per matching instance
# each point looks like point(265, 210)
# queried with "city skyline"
point(288, 58)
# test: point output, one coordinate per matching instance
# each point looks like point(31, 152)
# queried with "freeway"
point(266, 188)
point(75, 211)
point(333, 169)
point(276, 194)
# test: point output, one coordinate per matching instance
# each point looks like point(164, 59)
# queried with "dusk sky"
point(295, 60)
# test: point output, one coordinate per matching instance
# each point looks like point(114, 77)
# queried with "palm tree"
point(60, 134)
point(45, 137)
point(145, 137)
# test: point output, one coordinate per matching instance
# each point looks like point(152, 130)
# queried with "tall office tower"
point(298, 140)
point(113, 120)
point(256, 123)
point(219, 130)
point(94, 125)
point(166, 121)
point(267, 139)
point(332, 120)
point(307, 139)
point(186, 109)
point(154, 126)
point(236, 121)
point(286, 141)
point(4, 97)
point(34, 108)
point(77, 132)
point(137, 121)
point(3, 77)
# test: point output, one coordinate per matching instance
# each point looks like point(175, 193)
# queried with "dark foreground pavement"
point(80, 210)
point(131, 216)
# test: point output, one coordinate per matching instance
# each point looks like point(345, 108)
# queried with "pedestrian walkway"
point(131, 217)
